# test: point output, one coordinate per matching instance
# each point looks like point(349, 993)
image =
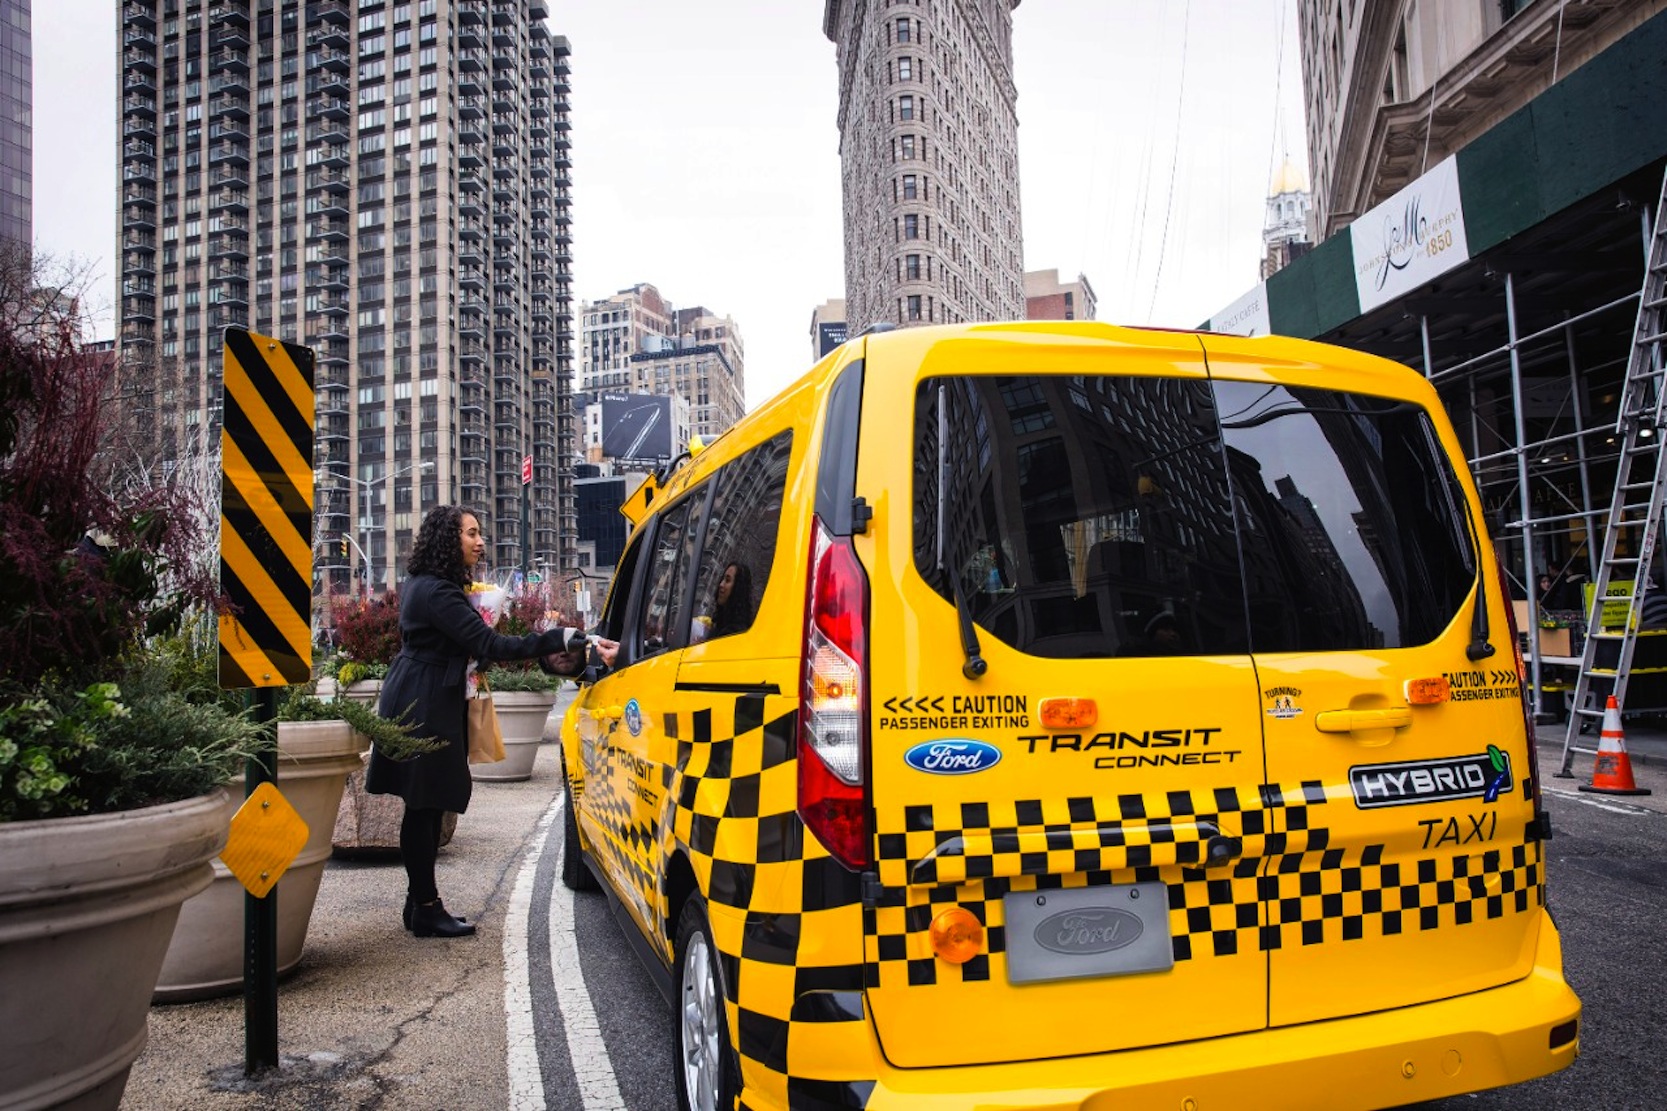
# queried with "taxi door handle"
point(1351, 721)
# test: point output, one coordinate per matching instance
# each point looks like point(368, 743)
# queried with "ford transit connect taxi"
point(1058, 715)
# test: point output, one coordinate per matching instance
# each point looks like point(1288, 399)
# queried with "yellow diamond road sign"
point(266, 837)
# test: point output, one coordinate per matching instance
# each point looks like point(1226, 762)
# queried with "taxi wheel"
point(707, 1074)
point(575, 874)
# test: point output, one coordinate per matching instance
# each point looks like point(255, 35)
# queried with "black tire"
point(575, 873)
point(700, 1019)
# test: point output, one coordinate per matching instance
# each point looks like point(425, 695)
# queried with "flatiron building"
point(929, 155)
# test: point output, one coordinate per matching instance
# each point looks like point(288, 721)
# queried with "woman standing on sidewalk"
point(427, 687)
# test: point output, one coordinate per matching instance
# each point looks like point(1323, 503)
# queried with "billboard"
point(1411, 238)
point(637, 427)
point(829, 335)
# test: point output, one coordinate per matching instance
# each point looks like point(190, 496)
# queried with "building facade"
point(637, 342)
point(928, 143)
point(1047, 298)
point(1392, 87)
point(386, 183)
point(611, 331)
point(16, 127)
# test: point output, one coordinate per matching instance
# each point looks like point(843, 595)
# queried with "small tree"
point(88, 565)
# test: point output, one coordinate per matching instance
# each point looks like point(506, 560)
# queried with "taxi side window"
point(612, 623)
point(664, 614)
point(741, 540)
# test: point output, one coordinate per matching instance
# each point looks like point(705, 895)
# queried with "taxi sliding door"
point(1401, 871)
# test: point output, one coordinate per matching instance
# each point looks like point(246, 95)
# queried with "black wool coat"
point(439, 632)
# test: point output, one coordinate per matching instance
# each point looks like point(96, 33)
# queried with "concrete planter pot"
point(205, 958)
point(522, 716)
point(366, 824)
point(87, 907)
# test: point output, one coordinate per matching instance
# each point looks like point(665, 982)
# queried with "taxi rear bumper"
point(1408, 1055)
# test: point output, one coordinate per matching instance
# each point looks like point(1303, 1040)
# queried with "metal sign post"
point(266, 571)
point(526, 511)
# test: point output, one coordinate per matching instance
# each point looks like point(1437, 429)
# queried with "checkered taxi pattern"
point(632, 843)
point(975, 854)
point(729, 803)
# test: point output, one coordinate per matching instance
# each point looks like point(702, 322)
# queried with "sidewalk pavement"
point(1646, 747)
point(373, 1017)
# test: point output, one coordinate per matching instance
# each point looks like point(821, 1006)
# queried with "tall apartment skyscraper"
point(637, 342)
point(385, 181)
point(16, 129)
point(928, 144)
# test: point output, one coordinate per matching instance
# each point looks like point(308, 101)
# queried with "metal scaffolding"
point(1529, 346)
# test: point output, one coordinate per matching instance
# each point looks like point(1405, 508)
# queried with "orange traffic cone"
point(1612, 774)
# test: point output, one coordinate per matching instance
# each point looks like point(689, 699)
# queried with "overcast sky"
point(706, 156)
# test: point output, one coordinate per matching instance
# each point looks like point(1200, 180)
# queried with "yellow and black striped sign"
point(266, 512)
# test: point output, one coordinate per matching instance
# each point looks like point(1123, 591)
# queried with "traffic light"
point(344, 545)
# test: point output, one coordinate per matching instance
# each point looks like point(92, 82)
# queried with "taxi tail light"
point(1542, 821)
point(833, 701)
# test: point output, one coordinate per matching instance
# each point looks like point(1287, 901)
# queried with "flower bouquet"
point(489, 601)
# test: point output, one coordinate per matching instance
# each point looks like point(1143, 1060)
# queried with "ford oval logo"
point(1089, 930)
point(952, 756)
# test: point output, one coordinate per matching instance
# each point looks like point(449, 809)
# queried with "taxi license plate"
point(1069, 933)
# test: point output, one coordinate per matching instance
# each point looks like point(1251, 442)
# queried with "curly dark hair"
point(438, 549)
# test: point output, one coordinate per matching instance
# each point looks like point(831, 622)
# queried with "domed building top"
point(1288, 179)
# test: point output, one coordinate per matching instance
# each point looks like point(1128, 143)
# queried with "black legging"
point(419, 843)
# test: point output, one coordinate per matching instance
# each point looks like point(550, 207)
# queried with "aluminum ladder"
point(1636, 510)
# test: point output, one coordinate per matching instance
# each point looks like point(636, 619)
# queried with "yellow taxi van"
point(1069, 716)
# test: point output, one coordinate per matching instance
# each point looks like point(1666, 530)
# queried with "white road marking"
point(592, 1069)
point(526, 1082)
point(1612, 807)
point(591, 1066)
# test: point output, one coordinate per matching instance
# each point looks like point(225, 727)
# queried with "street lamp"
point(365, 518)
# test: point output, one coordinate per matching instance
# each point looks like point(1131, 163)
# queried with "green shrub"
point(393, 739)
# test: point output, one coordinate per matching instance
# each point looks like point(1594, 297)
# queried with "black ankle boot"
point(431, 920)
point(405, 916)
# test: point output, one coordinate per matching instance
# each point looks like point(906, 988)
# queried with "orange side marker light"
point(957, 935)
point(1068, 713)
point(1428, 692)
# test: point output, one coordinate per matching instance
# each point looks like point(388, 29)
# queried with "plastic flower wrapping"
point(489, 601)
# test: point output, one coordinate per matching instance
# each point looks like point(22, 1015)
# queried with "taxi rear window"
point(1095, 516)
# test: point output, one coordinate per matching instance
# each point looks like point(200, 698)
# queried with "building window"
point(914, 306)
point(911, 226)
point(905, 69)
point(902, 30)
point(911, 267)
point(909, 187)
point(908, 146)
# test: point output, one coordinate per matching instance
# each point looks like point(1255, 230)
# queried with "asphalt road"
point(1607, 885)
